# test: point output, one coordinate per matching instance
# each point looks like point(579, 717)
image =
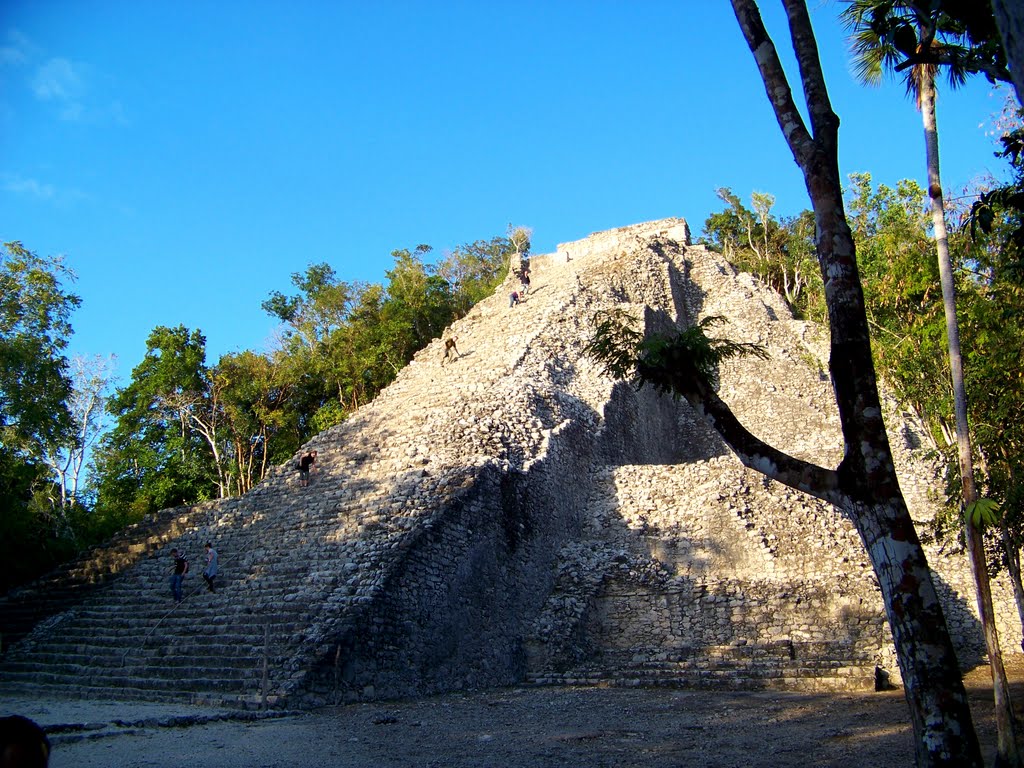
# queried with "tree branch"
point(684, 379)
point(776, 85)
point(824, 122)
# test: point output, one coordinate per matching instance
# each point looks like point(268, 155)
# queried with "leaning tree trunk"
point(1012, 555)
point(1007, 754)
point(865, 483)
point(1011, 551)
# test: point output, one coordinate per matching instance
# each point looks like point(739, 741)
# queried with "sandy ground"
point(515, 728)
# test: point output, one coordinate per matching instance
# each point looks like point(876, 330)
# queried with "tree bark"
point(1010, 21)
point(1007, 754)
point(1012, 555)
point(864, 485)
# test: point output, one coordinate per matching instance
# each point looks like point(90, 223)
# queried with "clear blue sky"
point(188, 156)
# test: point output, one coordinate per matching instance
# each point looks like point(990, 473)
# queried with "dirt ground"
point(539, 727)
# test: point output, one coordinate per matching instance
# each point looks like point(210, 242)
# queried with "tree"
point(35, 327)
point(254, 397)
point(35, 388)
point(159, 453)
point(779, 252)
point(992, 323)
point(344, 343)
point(864, 485)
point(903, 301)
point(322, 305)
point(473, 271)
point(991, 38)
point(417, 307)
point(519, 238)
point(314, 353)
point(882, 31)
point(91, 378)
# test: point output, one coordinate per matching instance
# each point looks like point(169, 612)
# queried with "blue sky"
point(186, 157)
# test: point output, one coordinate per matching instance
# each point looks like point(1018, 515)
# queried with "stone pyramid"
point(513, 516)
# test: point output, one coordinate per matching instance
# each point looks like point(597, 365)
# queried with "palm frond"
point(620, 349)
point(694, 345)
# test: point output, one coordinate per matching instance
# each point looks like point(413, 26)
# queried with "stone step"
point(786, 677)
point(155, 675)
point(203, 653)
point(68, 663)
point(190, 614)
point(193, 679)
point(783, 650)
point(105, 636)
point(247, 700)
point(205, 650)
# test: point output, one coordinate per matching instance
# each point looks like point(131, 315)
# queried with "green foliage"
point(328, 415)
point(901, 285)
point(616, 344)
point(418, 304)
point(475, 270)
point(905, 36)
point(623, 353)
point(519, 238)
point(982, 512)
point(344, 342)
point(154, 457)
point(25, 537)
point(260, 426)
point(999, 213)
point(991, 312)
point(35, 387)
point(35, 312)
point(780, 252)
point(691, 349)
point(895, 256)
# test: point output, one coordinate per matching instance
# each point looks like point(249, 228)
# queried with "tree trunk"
point(1010, 20)
point(1011, 551)
point(865, 483)
point(1012, 555)
point(515, 266)
point(1005, 721)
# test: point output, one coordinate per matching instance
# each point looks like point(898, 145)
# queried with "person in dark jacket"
point(178, 571)
point(305, 467)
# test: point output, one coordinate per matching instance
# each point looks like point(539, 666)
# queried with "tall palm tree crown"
point(901, 35)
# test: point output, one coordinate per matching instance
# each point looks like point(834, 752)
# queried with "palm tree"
point(914, 38)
